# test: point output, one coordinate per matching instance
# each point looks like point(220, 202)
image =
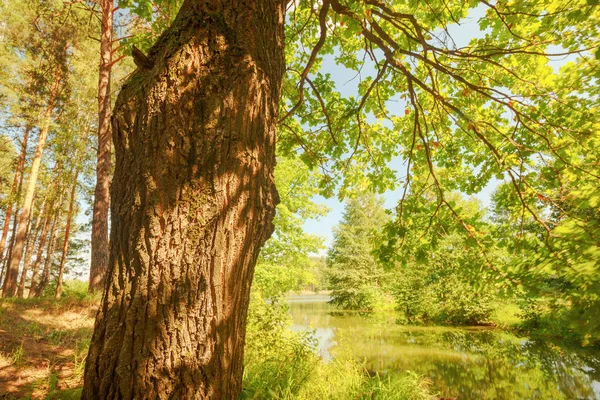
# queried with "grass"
point(43, 344)
point(343, 378)
point(17, 355)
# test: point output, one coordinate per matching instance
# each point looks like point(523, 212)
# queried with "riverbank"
point(477, 362)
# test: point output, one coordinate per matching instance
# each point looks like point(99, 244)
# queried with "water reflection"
point(471, 363)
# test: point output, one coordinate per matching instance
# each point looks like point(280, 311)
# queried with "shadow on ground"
point(43, 345)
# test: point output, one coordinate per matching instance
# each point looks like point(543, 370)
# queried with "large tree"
point(193, 200)
point(194, 132)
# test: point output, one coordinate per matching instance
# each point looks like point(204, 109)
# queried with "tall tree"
point(40, 252)
point(65, 247)
point(31, 239)
point(355, 275)
point(45, 277)
point(13, 190)
point(20, 236)
point(100, 250)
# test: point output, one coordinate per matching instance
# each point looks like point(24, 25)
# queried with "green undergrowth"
point(279, 363)
point(542, 319)
point(74, 294)
point(282, 364)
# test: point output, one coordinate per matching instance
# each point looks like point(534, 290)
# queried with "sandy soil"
point(43, 344)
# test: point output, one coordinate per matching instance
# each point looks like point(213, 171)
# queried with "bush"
point(447, 299)
point(462, 304)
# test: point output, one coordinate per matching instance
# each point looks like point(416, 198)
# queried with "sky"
point(323, 226)
point(461, 34)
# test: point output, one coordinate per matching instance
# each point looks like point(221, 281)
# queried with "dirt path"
point(43, 344)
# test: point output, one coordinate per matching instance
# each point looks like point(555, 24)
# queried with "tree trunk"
point(31, 239)
point(39, 290)
point(193, 200)
point(13, 189)
point(38, 257)
point(65, 248)
point(10, 284)
point(100, 251)
point(14, 228)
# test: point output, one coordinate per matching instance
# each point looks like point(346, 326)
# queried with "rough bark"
point(65, 248)
point(192, 203)
point(100, 250)
point(10, 284)
point(13, 189)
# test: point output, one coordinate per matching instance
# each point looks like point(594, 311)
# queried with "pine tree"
point(355, 275)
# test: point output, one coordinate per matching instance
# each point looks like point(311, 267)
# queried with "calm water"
point(471, 363)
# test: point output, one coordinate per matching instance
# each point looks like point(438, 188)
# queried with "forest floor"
point(43, 345)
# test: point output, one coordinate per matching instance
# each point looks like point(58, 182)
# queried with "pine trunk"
point(30, 242)
point(38, 258)
point(10, 284)
point(193, 200)
point(39, 289)
point(13, 190)
point(100, 250)
point(32, 237)
point(65, 248)
point(13, 235)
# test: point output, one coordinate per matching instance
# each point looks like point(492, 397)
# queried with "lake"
point(466, 362)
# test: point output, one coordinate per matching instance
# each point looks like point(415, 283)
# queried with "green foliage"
point(558, 266)
point(282, 364)
point(355, 275)
point(441, 272)
point(149, 19)
point(515, 100)
point(440, 292)
point(482, 104)
point(284, 263)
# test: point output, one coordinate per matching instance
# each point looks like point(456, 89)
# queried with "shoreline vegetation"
point(44, 343)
